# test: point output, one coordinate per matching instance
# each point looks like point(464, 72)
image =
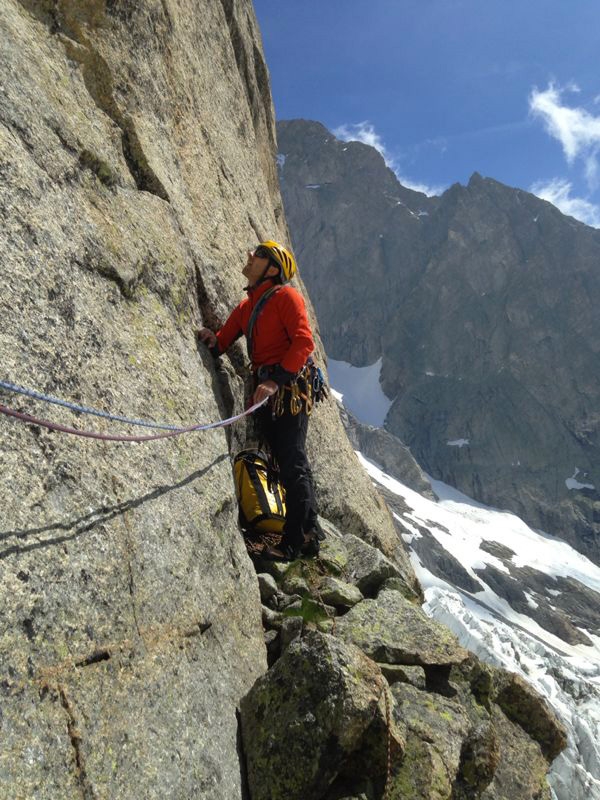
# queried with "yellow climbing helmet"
point(283, 258)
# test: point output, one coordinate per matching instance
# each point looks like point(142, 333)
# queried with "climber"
point(273, 318)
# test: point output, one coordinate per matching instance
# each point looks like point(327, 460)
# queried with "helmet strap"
point(263, 276)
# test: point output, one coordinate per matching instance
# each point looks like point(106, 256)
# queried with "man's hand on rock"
point(263, 390)
point(206, 336)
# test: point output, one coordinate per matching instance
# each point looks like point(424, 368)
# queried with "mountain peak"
point(477, 179)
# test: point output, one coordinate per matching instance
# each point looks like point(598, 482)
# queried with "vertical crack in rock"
point(98, 80)
point(97, 77)
point(244, 783)
point(224, 390)
point(253, 72)
point(131, 587)
point(87, 790)
point(208, 315)
point(131, 582)
point(262, 79)
point(129, 552)
point(145, 178)
point(256, 228)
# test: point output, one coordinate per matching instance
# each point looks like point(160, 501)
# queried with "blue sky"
point(510, 89)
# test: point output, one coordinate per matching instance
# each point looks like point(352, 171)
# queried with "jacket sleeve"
point(295, 320)
point(231, 330)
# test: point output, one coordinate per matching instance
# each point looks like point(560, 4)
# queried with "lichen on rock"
point(393, 630)
point(304, 719)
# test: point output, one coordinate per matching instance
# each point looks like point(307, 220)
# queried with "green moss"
point(98, 166)
point(405, 783)
point(310, 611)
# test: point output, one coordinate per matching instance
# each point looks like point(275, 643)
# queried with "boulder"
point(289, 601)
point(326, 625)
point(435, 730)
point(524, 706)
point(273, 645)
point(338, 593)
point(267, 586)
point(366, 566)
point(307, 716)
point(295, 584)
point(291, 629)
point(393, 673)
point(392, 630)
point(521, 770)
point(277, 569)
point(412, 592)
point(479, 759)
point(334, 554)
point(271, 619)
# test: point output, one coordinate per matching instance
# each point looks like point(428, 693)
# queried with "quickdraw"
point(306, 388)
point(298, 398)
point(295, 399)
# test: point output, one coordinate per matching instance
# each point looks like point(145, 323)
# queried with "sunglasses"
point(262, 252)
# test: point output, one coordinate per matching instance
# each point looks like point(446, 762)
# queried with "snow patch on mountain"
point(573, 483)
point(361, 389)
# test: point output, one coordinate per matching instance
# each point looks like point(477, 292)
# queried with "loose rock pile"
point(367, 698)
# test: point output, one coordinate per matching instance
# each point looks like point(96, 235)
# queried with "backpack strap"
point(255, 314)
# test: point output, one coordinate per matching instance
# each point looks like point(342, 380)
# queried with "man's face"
point(255, 266)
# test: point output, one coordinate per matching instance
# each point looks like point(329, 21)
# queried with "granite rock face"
point(482, 304)
point(137, 162)
point(132, 623)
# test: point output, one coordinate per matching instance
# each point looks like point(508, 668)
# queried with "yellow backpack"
point(260, 496)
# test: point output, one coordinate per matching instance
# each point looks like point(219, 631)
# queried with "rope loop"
point(171, 430)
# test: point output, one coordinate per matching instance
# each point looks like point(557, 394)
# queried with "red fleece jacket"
point(282, 333)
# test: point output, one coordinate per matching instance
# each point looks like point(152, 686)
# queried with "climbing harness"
point(171, 431)
point(305, 389)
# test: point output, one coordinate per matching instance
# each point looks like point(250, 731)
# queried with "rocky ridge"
point(392, 455)
point(482, 305)
point(132, 624)
point(367, 698)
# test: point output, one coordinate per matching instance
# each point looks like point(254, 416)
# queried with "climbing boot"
point(310, 545)
point(284, 551)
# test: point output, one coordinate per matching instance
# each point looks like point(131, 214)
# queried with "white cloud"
point(576, 129)
point(365, 132)
point(430, 191)
point(558, 192)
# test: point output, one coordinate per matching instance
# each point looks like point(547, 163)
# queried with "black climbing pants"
point(286, 437)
